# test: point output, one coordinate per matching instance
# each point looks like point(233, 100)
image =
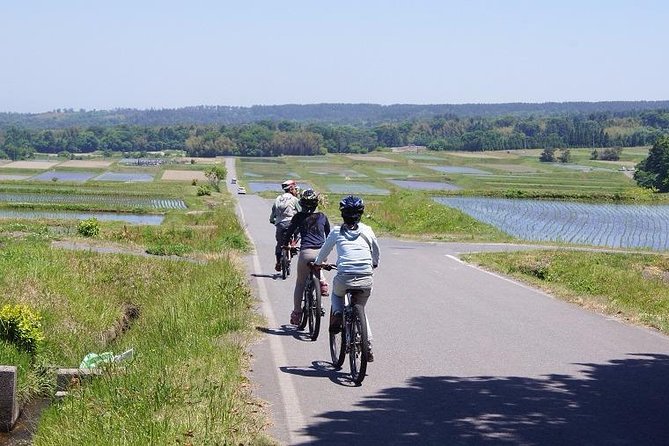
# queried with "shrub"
point(89, 227)
point(194, 182)
point(203, 190)
point(22, 327)
point(215, 174)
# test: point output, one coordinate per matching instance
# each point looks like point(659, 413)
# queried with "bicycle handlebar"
point(325, 266)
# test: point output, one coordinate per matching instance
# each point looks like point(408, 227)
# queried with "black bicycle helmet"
point(309, 200)
point(351, 208)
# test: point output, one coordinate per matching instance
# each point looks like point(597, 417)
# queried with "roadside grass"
point(631, 286)
point(26, 377)
point(186, 382)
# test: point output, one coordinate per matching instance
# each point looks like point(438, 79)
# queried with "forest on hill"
point(349, 114)
point(273, 137)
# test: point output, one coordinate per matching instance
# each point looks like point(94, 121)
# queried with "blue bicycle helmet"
point(351, 208)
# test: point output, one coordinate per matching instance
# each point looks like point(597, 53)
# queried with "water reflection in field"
point(124, 177)
point(424, 185)
point(458, 169)
point(356, 188)
point(611, 225)
point(263, 186)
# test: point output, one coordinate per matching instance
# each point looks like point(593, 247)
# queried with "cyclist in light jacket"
point(357, 256)
point(285, 206)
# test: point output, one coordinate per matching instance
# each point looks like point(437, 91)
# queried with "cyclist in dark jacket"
point(313, 228)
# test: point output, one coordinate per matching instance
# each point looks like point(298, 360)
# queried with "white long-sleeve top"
point(357, 249)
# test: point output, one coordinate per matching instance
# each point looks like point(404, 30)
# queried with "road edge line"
point(293, 413)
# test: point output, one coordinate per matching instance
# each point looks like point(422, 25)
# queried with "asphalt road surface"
point(463, 357)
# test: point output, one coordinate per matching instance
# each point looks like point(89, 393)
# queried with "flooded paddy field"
point(610, 225)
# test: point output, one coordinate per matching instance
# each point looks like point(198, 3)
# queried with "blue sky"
point(165, 54)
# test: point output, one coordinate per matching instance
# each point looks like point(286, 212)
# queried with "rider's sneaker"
point(335, 322)
point(324, 288)
point(295, 317)
point(370, 354)
point(277, 267)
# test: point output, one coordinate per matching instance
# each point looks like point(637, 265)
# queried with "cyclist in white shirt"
point(357, 256)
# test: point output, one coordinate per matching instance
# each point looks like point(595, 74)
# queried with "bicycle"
point(287, 253)
point(352, 339)
point(312, 311)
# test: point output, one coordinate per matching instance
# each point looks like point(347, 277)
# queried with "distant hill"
point(353, 114)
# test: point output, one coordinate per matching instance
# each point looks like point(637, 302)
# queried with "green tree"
point(215, 174)
point(565, 156)
point(653, 172)
point(548, 155)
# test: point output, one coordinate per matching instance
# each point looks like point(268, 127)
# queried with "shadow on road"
point(267, 276)
point(622, 402)
point(321, 369)
point(286, 330)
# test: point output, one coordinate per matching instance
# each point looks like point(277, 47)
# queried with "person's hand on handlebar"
point(325, 266)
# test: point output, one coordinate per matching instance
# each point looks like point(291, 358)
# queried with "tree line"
point(276, 137)
point(343, 114)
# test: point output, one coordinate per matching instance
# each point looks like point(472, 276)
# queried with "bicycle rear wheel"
point(338, 347)
point(305, 306)
point(314, 299)
point(284, 264)
point(359, 347)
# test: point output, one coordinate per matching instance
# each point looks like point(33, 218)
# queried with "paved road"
point(463, 357)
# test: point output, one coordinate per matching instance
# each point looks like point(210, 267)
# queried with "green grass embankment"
point(186, 383)
point(631, 286)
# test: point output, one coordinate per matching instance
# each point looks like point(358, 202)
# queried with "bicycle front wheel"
point(359, 345)
point(338, 346)
point(314, 299)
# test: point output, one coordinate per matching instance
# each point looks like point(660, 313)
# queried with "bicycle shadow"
point(286, 330)
point(621, 402)
point(321, 369)
point(274, 276)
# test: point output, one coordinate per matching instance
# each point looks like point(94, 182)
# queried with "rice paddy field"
point(565, 203)
point(105, 184)
point(605, 224)
point(476, 173)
